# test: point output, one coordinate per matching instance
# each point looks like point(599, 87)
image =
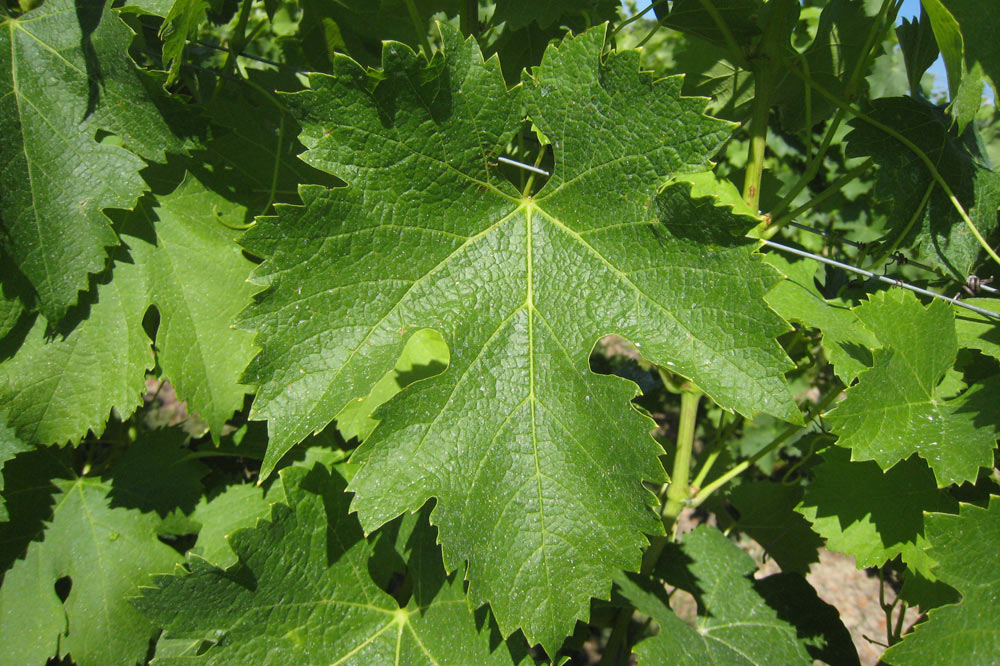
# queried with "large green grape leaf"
point(694, 18)
point(302, 594)
point(942, 238)
point(234, 508)
point(518, 15)
point(898, 408)
point(66, 78)
point(776, 620)
point(182, 259)
point(870, 514)
point(846, 342)
point(427, 235)
point(101, 555)
point(196, 276)
point(965, 547)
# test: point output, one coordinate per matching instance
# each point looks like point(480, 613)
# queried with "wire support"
point(522, 165)
point(883, 278)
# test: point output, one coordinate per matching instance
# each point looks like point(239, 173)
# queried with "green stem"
point(277, 165)
point(420, 26)
point(678, 489)
point(873, 39)
point(906, 230)
point(531, 176)
point(716, 451)
point(812, 167)
point(635, 17)
point(835, 187)
point(705, 492)
point(616, 650)
point(239, 38)
point(758, 137)
point(921, 155)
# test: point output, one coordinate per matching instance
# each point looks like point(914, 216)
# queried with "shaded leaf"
point(778, 620)
point(66, 80)
point(766, 514)
point(102, 554)
point(965, 547)
point(301, 589)
point(873, 515)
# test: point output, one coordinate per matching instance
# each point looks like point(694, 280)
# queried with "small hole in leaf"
point(63, 586)
point(524, 160)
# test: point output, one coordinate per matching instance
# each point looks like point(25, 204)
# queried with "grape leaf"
point(920, 50)
point(66, 78)
point(739, 16)
point(184, 262)
point(976, 331)
point(105, 553)
point(831, 58)
point(870, 514)
point(965, 547)
point(302, 590)
point(766, 514)
point(57, 387)
point(236, 507)
point(180, 22)
point(521, 287)
point(902, 181)
point(846, 342)
point(196, 276)
point(896, 409)
point(10, 446)
point(518, 15)
point(777, 620)
point(980, 35)
point(157, 474)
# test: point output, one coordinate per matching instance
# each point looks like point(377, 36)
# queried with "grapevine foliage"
point(410, 331)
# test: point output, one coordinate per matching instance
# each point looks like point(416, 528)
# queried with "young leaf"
point(181, 22)
point(870, 514)
point(302, 590)
point(66, 79)
point(521, 286)
point(777, 620)
point(965, 547)
point(895, 408)
point(99, 555)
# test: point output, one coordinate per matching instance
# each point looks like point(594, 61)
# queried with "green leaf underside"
point(873, 515)
point(65, 76)
point(766, 514)
point(427, 235)
point(741, 621)
point(894, 410)
point(179, 258)
point(106, 553)
point(301, 594)
point(980, 34)
point(965, 548)
point(943, 238)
